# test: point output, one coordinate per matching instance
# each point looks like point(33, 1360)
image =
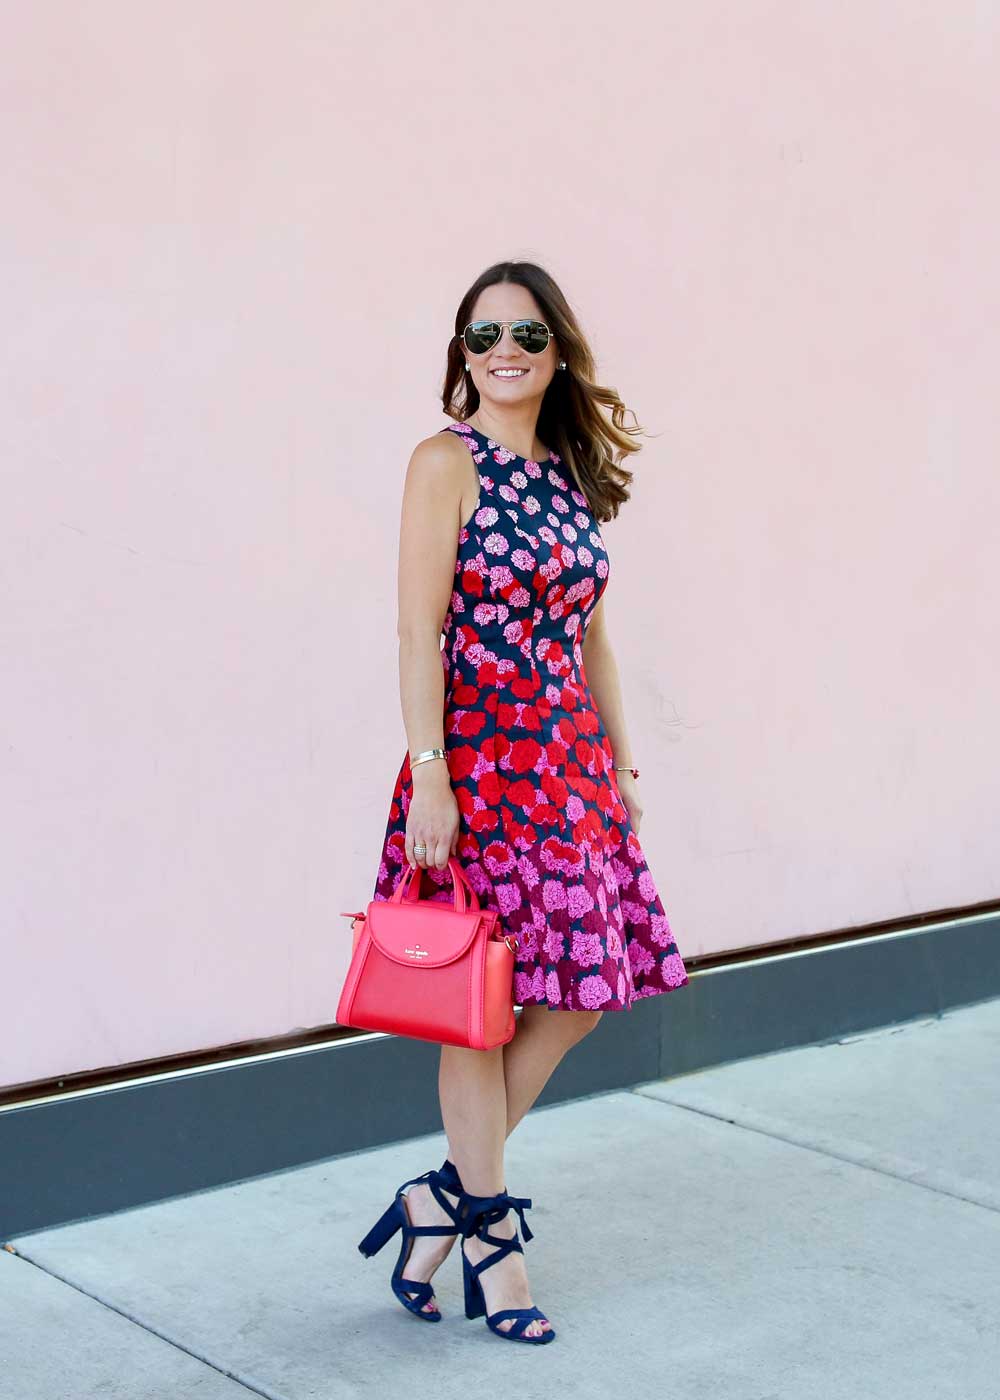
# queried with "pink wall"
point(233, 242)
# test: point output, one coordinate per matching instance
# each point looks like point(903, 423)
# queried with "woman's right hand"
point(432, 817)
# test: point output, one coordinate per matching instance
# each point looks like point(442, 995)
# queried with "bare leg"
point(542, 1039)
point(484, 1095)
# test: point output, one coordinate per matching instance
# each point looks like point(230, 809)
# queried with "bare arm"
point(605, 686)
point(428, 535)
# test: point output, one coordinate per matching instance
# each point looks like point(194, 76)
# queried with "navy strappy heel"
point(414, 1293)
point(475, 1215)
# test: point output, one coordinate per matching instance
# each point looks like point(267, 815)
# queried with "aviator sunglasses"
point(480, 336)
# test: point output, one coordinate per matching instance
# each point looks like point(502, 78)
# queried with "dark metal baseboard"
point(83, 1154)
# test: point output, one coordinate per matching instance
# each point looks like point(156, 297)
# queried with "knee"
point(584, 1022)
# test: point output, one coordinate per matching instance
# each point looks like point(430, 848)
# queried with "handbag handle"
point(409, 887)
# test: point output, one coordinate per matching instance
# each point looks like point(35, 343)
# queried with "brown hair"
point(570, 421)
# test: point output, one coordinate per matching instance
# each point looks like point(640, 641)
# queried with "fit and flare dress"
point(544, 837)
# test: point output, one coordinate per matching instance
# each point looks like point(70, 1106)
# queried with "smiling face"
point(507, 376)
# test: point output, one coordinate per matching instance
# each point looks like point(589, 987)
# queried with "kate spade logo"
point(416, 952)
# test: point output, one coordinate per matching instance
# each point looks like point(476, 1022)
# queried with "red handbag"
point(431, 971)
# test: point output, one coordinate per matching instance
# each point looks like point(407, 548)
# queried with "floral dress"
point(544, 837)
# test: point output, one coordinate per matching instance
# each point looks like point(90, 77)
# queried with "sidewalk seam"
point(811, 1145)
point(247, 1385)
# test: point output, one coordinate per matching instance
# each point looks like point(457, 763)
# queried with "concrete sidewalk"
point(822, 1222)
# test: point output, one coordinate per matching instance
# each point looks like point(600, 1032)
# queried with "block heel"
point(383, 1230)
point(475, 1303)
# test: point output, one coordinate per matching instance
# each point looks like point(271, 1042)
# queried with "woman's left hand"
point(628, 786)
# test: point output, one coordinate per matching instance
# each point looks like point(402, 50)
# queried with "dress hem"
point(613, 1005)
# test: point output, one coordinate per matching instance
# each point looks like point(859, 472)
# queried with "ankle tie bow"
point(477, 1213)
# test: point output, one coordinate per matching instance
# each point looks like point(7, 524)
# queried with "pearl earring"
point(467, 365)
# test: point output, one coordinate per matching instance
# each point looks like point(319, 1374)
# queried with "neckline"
point(548, 461)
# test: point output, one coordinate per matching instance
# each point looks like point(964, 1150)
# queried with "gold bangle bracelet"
point(426, 755)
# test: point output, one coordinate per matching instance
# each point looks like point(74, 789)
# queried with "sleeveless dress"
point(544, 837)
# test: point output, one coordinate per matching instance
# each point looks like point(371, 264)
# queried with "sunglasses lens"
point(532, 336)
point(481, 336)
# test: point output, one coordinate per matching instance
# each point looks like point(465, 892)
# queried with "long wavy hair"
point(570, 421)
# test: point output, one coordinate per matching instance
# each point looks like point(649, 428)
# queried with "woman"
point(519, 762)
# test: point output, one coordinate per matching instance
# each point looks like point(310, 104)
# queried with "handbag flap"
point(423, 933)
